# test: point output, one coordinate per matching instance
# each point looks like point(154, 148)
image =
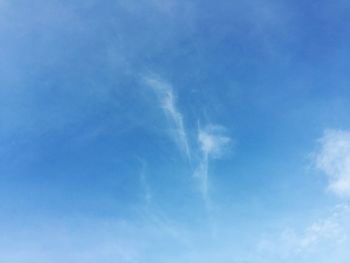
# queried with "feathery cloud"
point(333, 158)
point(168, 104)
point(212, 141)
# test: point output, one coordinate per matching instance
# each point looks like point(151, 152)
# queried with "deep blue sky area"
point(160, 131)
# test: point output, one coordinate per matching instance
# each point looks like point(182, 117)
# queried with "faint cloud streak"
point(168, 103)
point(212, 142)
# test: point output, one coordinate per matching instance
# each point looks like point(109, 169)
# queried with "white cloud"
point(212, 141)
point(168, 104)
point(326, 234)
point(326, 239)
point(333, 158)
point(329, 229)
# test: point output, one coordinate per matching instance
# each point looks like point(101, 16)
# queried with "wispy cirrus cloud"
point(212, 143)
point(167, 101)
point(333, 159)
point(212, 140)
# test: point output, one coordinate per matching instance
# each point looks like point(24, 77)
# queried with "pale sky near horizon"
point(158, 131)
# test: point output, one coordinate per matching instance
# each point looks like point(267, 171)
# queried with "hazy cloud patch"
point(333, 159)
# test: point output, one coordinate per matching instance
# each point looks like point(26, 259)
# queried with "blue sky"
point(174, 131)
